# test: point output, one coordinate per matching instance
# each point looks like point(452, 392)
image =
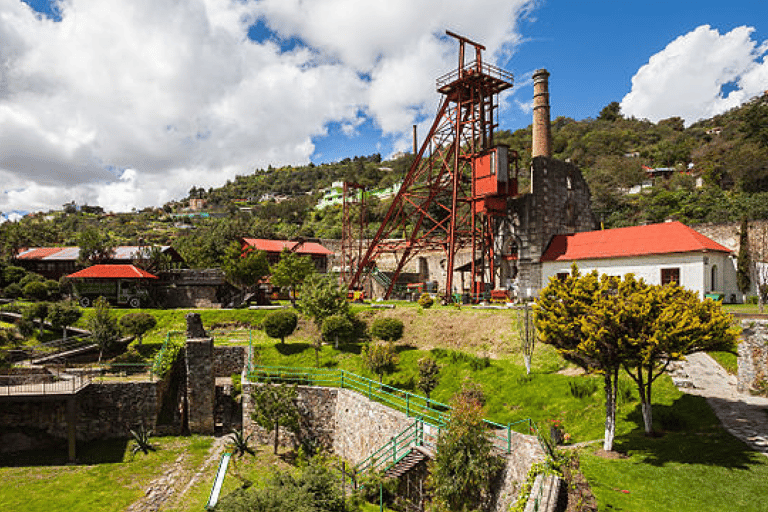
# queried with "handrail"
point(58, 387)
point(430, 411)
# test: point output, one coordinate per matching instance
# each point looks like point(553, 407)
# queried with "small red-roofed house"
point(657, 253)
point(120, 284)
point(274, 248)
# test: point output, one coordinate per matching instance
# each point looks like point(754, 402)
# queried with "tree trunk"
point(645, 403)
point(277, 433)
point(527, 359)
point(610, 412)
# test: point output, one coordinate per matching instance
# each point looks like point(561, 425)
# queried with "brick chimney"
point(542, 135)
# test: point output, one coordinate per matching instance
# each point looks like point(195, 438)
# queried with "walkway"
point(743, 415)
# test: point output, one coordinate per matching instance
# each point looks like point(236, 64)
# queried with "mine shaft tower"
point(455, 192)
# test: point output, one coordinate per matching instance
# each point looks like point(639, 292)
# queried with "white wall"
point(695, 270)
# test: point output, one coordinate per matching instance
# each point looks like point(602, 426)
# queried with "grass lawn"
point(108, 478)
point(698, 468)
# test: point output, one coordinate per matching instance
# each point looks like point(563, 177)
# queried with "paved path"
point(743, 415)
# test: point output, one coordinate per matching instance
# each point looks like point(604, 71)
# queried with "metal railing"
point(485, 69)
point(430, 411)
point(9, 385)
point(396, 449)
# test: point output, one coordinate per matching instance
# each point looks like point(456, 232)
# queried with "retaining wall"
point(228, 360)
point(753, 356)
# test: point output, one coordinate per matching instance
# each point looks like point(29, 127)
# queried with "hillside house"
point(274, 248)
point(55, 262)
point(658, 253)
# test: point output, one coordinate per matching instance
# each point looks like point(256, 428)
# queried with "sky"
point(130, 104)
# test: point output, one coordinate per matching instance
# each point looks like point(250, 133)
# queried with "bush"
point(13, 274)
point(752, 299)
point(280, 323)
point(137, 324)
point(52, 287)
point(582, 388)
point(36, 290)
point(426, 301)
point(13, 291)
point(338, 328)
point(387, 329)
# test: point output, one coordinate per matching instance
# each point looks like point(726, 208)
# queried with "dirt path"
point(168, 489)
point(743, 415)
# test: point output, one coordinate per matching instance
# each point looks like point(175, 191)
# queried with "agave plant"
point(141, 438)
point(239, 443)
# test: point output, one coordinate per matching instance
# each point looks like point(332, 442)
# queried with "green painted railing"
point(429, 411)
point(396, 449)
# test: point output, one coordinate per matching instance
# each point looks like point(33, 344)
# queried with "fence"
point(431, 412)
point(9, 385)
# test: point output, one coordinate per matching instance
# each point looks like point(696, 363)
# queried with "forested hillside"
point(718, 169)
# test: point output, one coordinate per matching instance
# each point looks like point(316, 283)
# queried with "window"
point(713, 285)
point(563, 275)
point(669, 275)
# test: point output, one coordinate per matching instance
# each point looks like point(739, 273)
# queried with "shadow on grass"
point(687, 432)
point(97, 452)
point(404, 348)
point(289, 349)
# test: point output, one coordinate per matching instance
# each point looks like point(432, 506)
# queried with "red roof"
point(666, 238)
point(261, 244)
point(38, 253)
point(113, 272)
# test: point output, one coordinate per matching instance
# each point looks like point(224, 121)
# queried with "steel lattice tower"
point(456, 190)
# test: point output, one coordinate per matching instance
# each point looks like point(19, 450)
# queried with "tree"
point(37, 310)
point(743, 263)
point(387, 329)
point(93, 247)
point(280, 323)
point(464, 467)
point(338, 328)
point(321, 297)
point(137, 324)
point(428, 375)
point(63, 314)
point(275, 405)
point(380, 358)
point(577, 315)
point(662, 324)
point(291, 270)
point(527, 331)
point(152, 259)
point(611, 112)
point(245, 269)
point(103, 326)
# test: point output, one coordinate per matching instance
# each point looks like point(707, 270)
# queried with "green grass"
point(108, 478)
point(700, 468)
point(728, 360)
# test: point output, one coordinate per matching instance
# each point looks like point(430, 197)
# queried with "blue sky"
point(130, 104)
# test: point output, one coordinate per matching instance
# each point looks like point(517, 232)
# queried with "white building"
point(658, 253)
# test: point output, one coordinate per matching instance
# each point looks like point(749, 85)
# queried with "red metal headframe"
point(458, 183)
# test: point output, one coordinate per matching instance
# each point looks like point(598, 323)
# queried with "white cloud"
point(174, 94)
point(686, 79)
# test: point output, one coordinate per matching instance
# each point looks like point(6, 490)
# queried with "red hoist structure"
point(456, 190)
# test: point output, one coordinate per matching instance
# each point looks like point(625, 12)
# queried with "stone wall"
point(753, 356)
point(558, 203)
point(525, 450)
point(201, 386)
point(105, 410)
point(228, 360)
point(362, 426)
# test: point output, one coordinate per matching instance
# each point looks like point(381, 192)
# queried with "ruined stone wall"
point(753, 356)
point(727, 234)
point(228, 360)
point(559, 203)
point(189, 296)
point(201, 387)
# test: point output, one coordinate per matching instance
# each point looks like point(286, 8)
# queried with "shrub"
point(13, 291)
point(380, 358)
point(752, 299)
point(338, 328)
point(426, 301)
point(165, 359)
point(387, 329)
point(13, 274)
point(137, 324)
point(280, 323)
point(582, 388)
point(36, 290)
